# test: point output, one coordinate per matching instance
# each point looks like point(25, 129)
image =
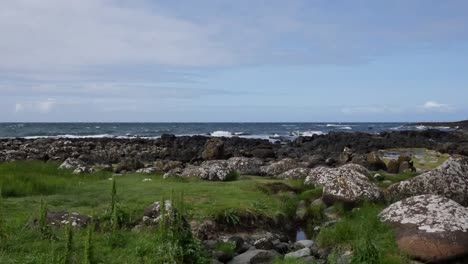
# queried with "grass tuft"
point(361, 230)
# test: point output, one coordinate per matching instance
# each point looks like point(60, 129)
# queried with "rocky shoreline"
point(133, 154)
point(348, 179)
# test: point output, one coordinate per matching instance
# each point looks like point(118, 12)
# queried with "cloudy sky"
point(243, 60)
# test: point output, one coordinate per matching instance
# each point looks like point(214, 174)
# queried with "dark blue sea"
point(272, 131)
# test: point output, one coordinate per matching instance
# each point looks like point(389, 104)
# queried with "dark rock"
point(263, 153)
point(393, 166)
point(257, 256)
point(375, 163)
point(263, 243)
point(214, 149)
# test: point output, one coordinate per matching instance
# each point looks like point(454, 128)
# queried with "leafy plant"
point(68, 255)
point(44, 228)
point(89, 247)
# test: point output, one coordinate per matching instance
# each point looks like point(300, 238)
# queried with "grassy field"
point(25, 184)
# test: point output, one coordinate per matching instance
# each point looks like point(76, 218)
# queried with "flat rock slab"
point(429, 227)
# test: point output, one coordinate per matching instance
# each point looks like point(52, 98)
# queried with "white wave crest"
point(221, 133)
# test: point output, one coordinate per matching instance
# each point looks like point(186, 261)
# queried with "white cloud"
point(370, 109)
point(42, 106)
point(45, 106)
point(19, 107)
point(433, 106)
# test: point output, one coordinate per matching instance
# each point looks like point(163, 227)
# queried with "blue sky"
point(219, 60)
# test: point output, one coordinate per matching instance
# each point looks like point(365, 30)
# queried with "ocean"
point(270, 131)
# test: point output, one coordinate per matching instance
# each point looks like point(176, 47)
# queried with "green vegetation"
point(228, 248)
point(121, 201)
point(25, 178)
point(310, 195)
point(361, 231)
point(394, 178)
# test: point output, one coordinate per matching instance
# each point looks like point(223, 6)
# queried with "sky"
point(233, 61)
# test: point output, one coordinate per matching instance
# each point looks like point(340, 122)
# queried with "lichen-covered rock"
point(350, 190)
point(296, 173)
point(152, 214)
point(167, 165)
point(214, 149)
point(321, 175)
point(344, 184)
point(449, 180)
point(176, 172)
point(71, 164)
point(62, 219)
point(359, 168)
point(429, 227)
point(215, 172)
point(206, 230)
point(147, 170)
point(83, 170)
point(245, 166)
point(279, 167)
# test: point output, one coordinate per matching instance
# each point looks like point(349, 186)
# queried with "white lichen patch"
point(322, 175)
point(430, 213)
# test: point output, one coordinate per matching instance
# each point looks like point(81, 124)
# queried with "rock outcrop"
point(449, 180)
point(245, 166)
point(345, 184)
point(429, 227)
point(212, 172)
point(279, 167)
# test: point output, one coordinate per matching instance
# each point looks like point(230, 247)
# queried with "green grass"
point(311, 195)
point(27, 183)
point(395, 178)
point(363, 233)
point(25, 178)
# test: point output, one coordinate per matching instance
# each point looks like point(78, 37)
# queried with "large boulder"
point(212, 172)
point(296, 173)
point(345, 184)
point(279, 167)
point(245, 166)
point(214, 149)
point(393, 166)
point(71, 164)
point(429, 227)
point(374, 162)
point(321, 175)
point(350, 190)
point(129, 164)
point(449, 180)
point(167, 165)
